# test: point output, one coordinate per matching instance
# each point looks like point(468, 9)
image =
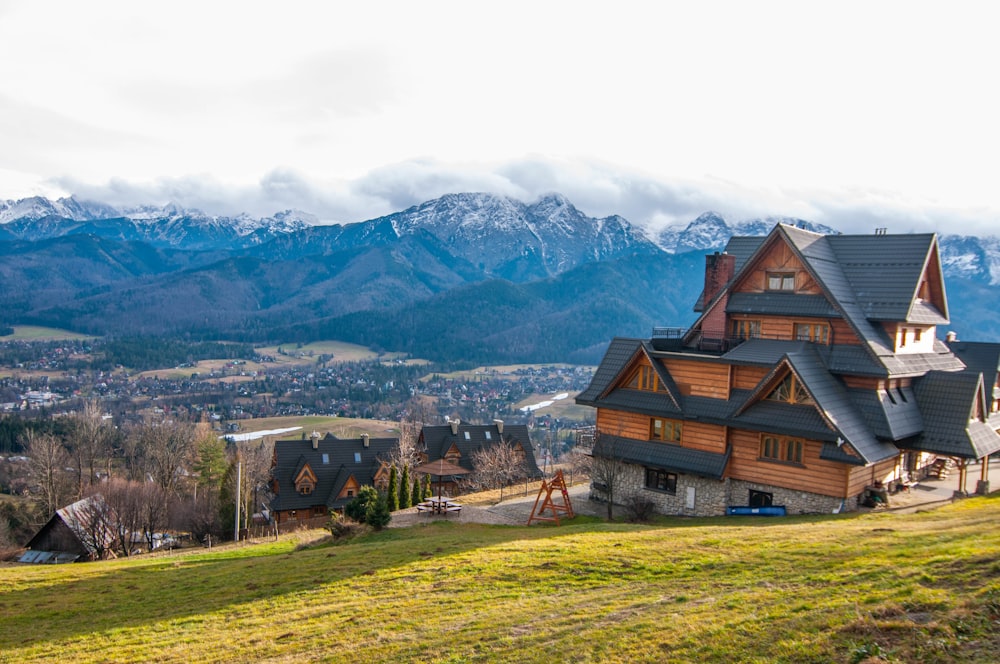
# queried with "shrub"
point(342, 527)
point(639, 509)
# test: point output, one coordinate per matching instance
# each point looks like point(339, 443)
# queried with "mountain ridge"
point(429, 276)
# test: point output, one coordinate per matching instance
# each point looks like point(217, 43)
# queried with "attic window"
point(645, 378)
point(781, 281)
point(468, 436)
point(357, 457)
point(790, 390)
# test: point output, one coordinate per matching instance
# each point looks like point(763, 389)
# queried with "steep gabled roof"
point(948, 401)
point(834, 414)
point(619, 355)
point(849, 273)
point(437, 440)
point(885, 272)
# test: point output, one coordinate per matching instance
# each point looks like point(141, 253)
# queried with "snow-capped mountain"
point(711, 231)
point(973, 258)
point(508, 238)
point(168, 226)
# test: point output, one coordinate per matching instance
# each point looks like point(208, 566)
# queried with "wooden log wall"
point(814, 475)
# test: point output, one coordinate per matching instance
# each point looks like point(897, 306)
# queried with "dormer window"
point(645, 378)
point(781, 281)
point(790, 390)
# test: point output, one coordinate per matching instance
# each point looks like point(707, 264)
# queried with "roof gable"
point(894, 277)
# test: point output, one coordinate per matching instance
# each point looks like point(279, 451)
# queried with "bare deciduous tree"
point(48, 461)
point(496, 466)
point(91, 442)
point(607, 467)
point(125, 502)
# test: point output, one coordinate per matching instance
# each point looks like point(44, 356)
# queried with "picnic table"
point(441, 505)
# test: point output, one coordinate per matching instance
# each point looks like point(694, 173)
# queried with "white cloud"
point(855, 115)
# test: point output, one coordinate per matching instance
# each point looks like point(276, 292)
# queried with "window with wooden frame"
point(661, 480)
point(744, 329)
point(790, 390)
point(776, 448)
point(666, 430)
point(644, 378)
point(818, 333)
point(781, 281)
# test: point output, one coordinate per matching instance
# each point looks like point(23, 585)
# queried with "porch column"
point(983, 485)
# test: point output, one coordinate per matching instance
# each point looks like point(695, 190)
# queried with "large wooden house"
point(812, 378)
point(310, 477)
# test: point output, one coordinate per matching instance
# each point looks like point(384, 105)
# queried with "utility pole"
point(239, 482)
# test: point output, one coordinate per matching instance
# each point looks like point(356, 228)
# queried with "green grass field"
point(904, 588)
point(35, 333)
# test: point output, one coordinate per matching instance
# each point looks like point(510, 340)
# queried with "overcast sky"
point(854, 114)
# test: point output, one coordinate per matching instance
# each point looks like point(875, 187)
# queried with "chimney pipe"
point(499, 424)
point(951, 336)
point(315, 439)
point(364, 439)
point(454, 426)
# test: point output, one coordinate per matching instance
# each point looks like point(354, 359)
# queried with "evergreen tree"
point(379, 514)
point(404, 489)
point(357, 509)
point(210, 463)
point(427, 488)
point(418, 493)
point(392, 499)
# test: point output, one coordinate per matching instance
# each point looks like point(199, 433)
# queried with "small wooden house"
point(813, 375)
point(311, 477)
point(77, 532)
point(456, 442)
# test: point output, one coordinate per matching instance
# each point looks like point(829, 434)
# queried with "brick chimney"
point(719, 269)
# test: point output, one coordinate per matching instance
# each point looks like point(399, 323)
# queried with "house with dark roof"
point(310, 477)
point(458, 442)
point(79, 531)
point(813, 376)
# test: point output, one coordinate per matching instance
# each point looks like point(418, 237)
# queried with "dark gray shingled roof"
point(979, 357)
point(763, 352)
point(664, 456)
point(292, 455)
point(946, 400)
point(641, 401)
point(618, 356)
point(884, 272)
point(437, 440)
point(889, 419)
point(743, 247)
point(788, 304)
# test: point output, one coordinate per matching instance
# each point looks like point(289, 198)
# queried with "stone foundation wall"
point(795, 502)
point(698, 496)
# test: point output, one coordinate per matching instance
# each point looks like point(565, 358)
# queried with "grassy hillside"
point(922, 587)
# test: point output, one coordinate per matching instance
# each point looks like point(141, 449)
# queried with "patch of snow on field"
point(543, 404)
point(254, 435)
